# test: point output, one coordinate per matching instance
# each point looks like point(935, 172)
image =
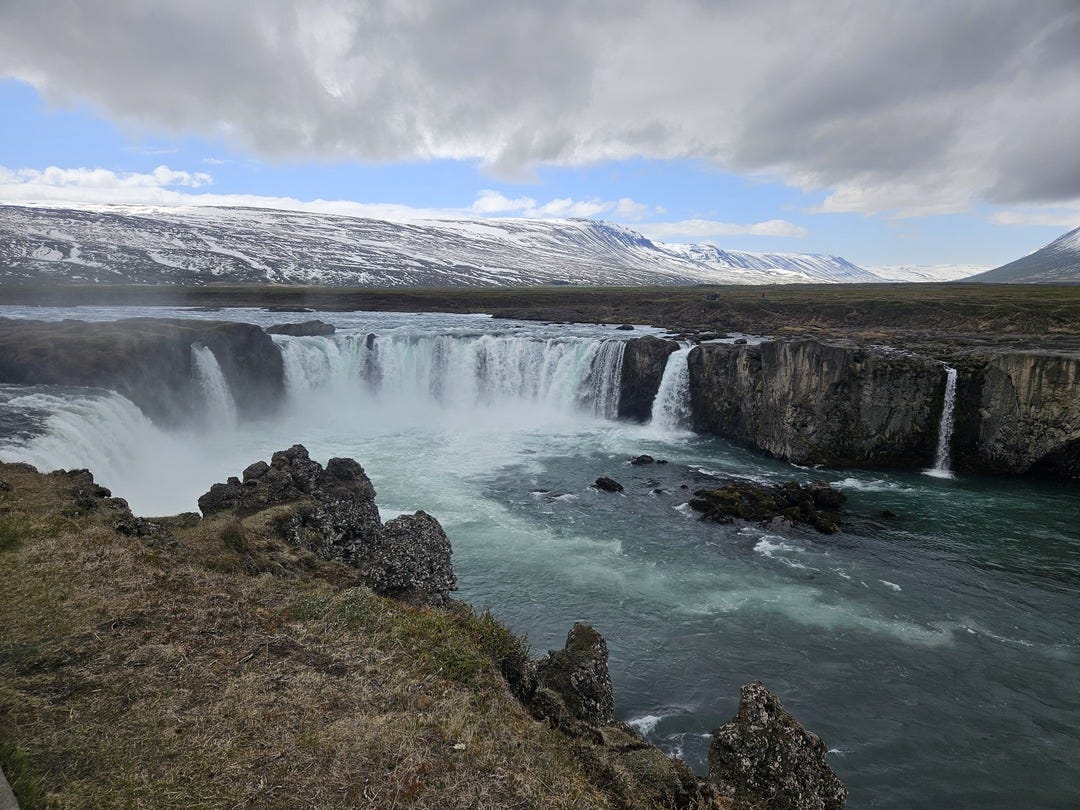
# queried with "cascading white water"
point(941, 468)
point(461, 372)
point(220, 406)
point(671, 407)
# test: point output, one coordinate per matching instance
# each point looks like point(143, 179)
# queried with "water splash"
point(220, 406)
point(671, 407)
point(942, 463)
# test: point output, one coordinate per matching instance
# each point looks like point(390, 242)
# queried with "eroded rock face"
point(1028, 415)
point(332, 512)
point(578, 674)
point(816, 403)
point(763, 758)
point(643, 367)
point(816, 504)
point(148, 360)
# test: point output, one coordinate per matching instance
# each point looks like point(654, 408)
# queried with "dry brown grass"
point(218, 668)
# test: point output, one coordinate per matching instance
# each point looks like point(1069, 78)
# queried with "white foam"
point(647, 724)
point(888, 584)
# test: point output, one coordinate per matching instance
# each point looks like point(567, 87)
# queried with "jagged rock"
point(138, 527)
point(816, 504)
point(306, 329)
point(644, 360)
point(4, 486)
point(642, 459)
point(332, 512)
point(763, 758)
point(605, 484)
point(412, 557)
point(578, 673)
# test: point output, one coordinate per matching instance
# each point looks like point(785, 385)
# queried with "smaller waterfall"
point(220, 406)
point(945, 428)
point(605, 378)
point(671, 408)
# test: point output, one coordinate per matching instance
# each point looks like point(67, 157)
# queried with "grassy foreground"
point(215, 666)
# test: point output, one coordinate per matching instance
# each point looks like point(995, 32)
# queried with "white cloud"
point(104, 180)
point(1066, 218)
point(695, 229)
point(907, 106)
point(492, 202)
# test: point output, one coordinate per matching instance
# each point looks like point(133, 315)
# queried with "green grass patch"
point(13, 531)
point(18, 769)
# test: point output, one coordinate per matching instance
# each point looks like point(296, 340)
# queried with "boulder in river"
point(605, 484)
point(816, 504)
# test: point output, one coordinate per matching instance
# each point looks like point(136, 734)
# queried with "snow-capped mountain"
point(198, 245)
point(1055, 263)
point(927, 272)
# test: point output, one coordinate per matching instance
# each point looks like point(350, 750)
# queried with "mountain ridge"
point(1057, 262)
point(206, 244)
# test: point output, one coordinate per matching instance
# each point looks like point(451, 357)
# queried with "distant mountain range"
point(1056, 263)
point(927, 273)
point(201, 245)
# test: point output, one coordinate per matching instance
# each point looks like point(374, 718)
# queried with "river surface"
point(937, 652)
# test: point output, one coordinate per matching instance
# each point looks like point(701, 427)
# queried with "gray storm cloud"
point(906, 106)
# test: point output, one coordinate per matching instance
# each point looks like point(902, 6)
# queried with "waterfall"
point(460, 371)
point(945, 428)
point(671, 407)
point(220, 407)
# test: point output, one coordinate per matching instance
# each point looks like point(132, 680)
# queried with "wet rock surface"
point(816, 504)
point(643, 368)
point(605, 484)
point(763, 758)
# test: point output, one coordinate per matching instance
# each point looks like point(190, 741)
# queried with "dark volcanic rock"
point(625, 327)
point(148, 360)
point(763, 758)
point(643, 368)
point(816, 504)
point(641, 460)
point(605, 484)
point(578, 674)
point(412, 556)
point(305, 329)
point(817, 403)
point(331, 511)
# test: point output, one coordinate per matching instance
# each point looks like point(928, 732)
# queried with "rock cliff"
point(148, 360)
point(642, 371)
point(815, 403)
point(1019, 412)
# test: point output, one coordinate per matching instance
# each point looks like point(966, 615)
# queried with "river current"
point(937, 652)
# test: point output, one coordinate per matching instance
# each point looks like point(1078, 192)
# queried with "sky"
point(885, 131)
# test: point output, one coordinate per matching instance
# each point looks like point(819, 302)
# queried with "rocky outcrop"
point(643, 368)
point(306, 329)
point(763, 758)
point(605, 484)
point(816, 504)
point(148, 360)
point(1019, 412)
point(331, 511)
point(815, 403)
point(578, 673)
